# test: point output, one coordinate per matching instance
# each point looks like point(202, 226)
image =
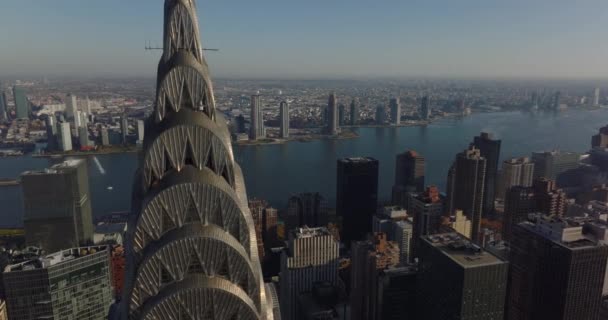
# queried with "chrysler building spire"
point(191, 244)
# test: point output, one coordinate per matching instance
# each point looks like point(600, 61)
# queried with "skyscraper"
point(596, 97)
point(425, 108)
point(141, 129)
point(550, 164)
point(306, 209)
point(519, 203)
point(600, 140)
point(369, 258)
point(357, 196)
point(3, 105)
point(332, 115)
point(515, 172)
point(57, 206)
point(257, 130)
point(87, 106)
point(543, 197)
point(427, 208)
point(311, 256)
point(22, 105)
point(394, 223)
point(341, 115)
point(69, 284)
point(409, 176)
point(83, 137)
point(65, 136)
point(459, 280)
point(284, 115)
point(124, 127)
point(354, 112)
point(71, 106)
point(51, 133)
point(380, 114)
point(466, 187)
point(395, 106)
point(557, 100)
point(557, 270)
point(490, 150)
point(191, 245)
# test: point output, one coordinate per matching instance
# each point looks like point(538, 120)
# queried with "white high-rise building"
point(312, 256)
point(65, 136)
point(78, 119)
point(83, 136)
point(71, 105)
point(140, 130)
point(515, 172)
point(596, 97)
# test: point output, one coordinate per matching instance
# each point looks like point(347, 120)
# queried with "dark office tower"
point(69, 284)
point(427, 208)
point(515, 172)
point(425, 108)
point(600, 140)
point(380, 114)
point(357, 196)
point(519, 203)
point(409, 176)
point(51, 133)
point(269, 223)
point(284, 115)
point(332, 115)
point(490, 150)
point(240, 124)
point(395, 106)
point(557, 271)
point(342, 115)
point(397, 294)
point(191, 243)
point(3, 105)
point(57, 205)
point(22, 106)
point(466, 187)
point(409, 171)
point(459, 280)
point(306, 209)
point(354, 112)
point(257, 130)
point(311, 256)
point(550, 164)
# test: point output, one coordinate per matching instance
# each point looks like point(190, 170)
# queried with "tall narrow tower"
point(333, 127)
point(191, 243)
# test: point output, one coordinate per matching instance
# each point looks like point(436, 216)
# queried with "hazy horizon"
point(341, 40)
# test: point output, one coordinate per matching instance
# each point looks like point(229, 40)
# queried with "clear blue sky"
point(316, 38)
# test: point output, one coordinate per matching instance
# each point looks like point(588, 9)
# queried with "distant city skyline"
point(314, 39)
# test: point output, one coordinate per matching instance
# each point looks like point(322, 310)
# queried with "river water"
point(274, 172)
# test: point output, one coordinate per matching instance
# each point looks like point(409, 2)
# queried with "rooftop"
point(358, 160)
point(571, 232)
point(306, 232)
point(462, 251)
point(55, 259)
point(55, 169)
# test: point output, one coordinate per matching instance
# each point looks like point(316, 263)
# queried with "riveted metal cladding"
point(191, 246)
